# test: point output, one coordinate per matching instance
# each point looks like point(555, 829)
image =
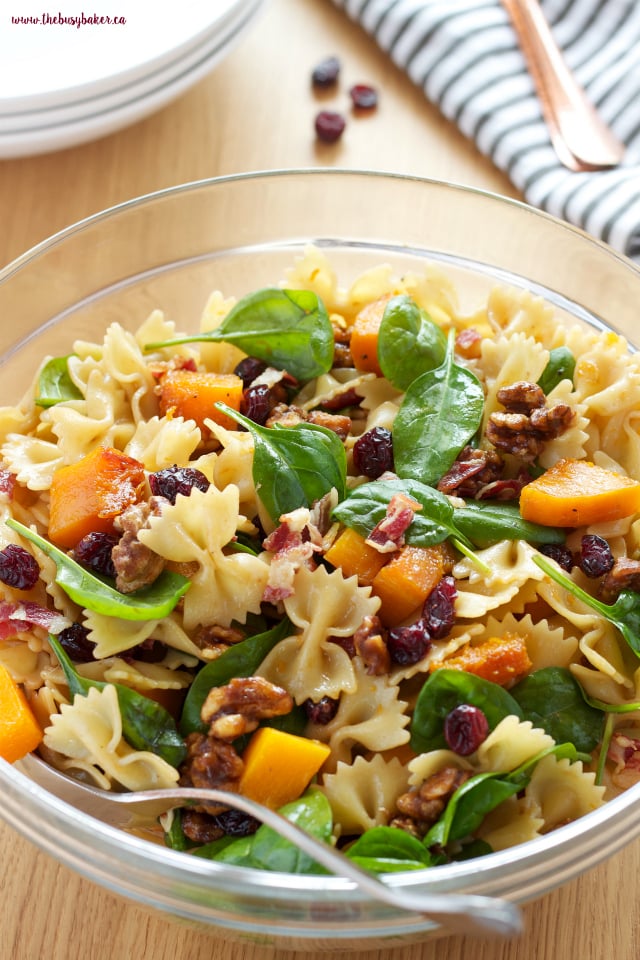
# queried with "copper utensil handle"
point(579, 136)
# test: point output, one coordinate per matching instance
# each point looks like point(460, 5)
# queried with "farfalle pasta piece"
point(196, 529)
point(547, 645)
point(113, 636)
point(309, 663)
point(136, 674)
point(222, 357)
point(234, 464)
point(88, 733)
point(518, 311)
point(426, 764)
point(371, 716)
point(563, 791)
point(510, 565)
point(509, 745)
point(33, 460)
point(515, 821)
point(160, 442)
point(313, 271)
point(572, 442)
point(364, 794)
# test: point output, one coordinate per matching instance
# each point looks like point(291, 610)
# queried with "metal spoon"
point(580, 138)
point(460, 913)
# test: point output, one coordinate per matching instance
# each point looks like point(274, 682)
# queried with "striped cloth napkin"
point(465, 56)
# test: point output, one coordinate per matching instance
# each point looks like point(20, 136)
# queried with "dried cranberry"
point(18, 568)
point(438, 611)
point(94, 552)
point(235, 823)
point(248, 369)
point(75, 642)
point(363, 96)
point(408, 645)
point(257, 403)
point(173, 480)
point(465, 728)
point(321, 711)
point(561, 554)
point(595, 558)
point(326, 73)
point(373, 452)
point(329, 126)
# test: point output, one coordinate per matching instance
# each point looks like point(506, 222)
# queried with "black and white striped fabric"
point(465, 57)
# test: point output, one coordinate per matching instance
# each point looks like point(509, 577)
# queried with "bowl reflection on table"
point(236, 234)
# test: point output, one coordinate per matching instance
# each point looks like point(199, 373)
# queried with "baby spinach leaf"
point(560, 366)
point(624, 614)
point(484, 522)
point(94, 593)
point(469, 805)
point(240, 660)
point(366, 505)
point(551, 698)
point(446, 689)
point(409, 342)
point(441, 411)
point(384, 849)
point(294, 466)
point(288, 329)
point(266, 850)
point(55, 383)
point(146, 725)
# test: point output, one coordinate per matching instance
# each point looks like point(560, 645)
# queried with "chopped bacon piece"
point(468, 343)
point(17, 617)
point(388, 535)
point(625, 753)
point(7, 483)
point(293, 544)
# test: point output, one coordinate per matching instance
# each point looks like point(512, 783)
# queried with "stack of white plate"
point(66, 79)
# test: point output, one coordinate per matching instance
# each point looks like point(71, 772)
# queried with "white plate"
point(80, 110)
point(48, 65)
point(141, 100)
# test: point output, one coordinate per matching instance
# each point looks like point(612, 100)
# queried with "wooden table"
point(256, 111)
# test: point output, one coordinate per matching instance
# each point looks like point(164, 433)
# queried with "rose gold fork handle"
point(579, 136)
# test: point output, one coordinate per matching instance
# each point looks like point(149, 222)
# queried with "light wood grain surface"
point(255, 112)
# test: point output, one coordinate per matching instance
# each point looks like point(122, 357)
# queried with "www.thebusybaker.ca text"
point(75, 20)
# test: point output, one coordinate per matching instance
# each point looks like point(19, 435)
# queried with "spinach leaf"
point(94, 593)
point(55, 383)
point(469, 805)
point(483, 792)
point(484, 522)
point(384, 849)
point(240, 660)
point(624, 614)
point(409, 342)
point(288, 329)
point(560, 366)
point(266, 850)
point(446, 689)
point(366, 505)
point(552, 699)
point(440, 413)
point(294, 466)
point(146, 725)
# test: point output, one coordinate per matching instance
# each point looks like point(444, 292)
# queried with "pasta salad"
point(351, 551)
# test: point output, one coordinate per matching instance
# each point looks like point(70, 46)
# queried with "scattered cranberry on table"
point(363, 96)
point(329, 126)
point(326, 73)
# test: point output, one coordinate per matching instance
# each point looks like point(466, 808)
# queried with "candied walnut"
point(371, 647)
point(200, 827)
point(291, 416)
point(215, 640)
point(624, 575)
point(136, 565)
point(521, 397)
point(211, 763)
point(527, 423)
point(423, 805)
point(238, 706)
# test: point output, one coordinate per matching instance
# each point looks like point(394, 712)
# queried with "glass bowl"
point(237, 233)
